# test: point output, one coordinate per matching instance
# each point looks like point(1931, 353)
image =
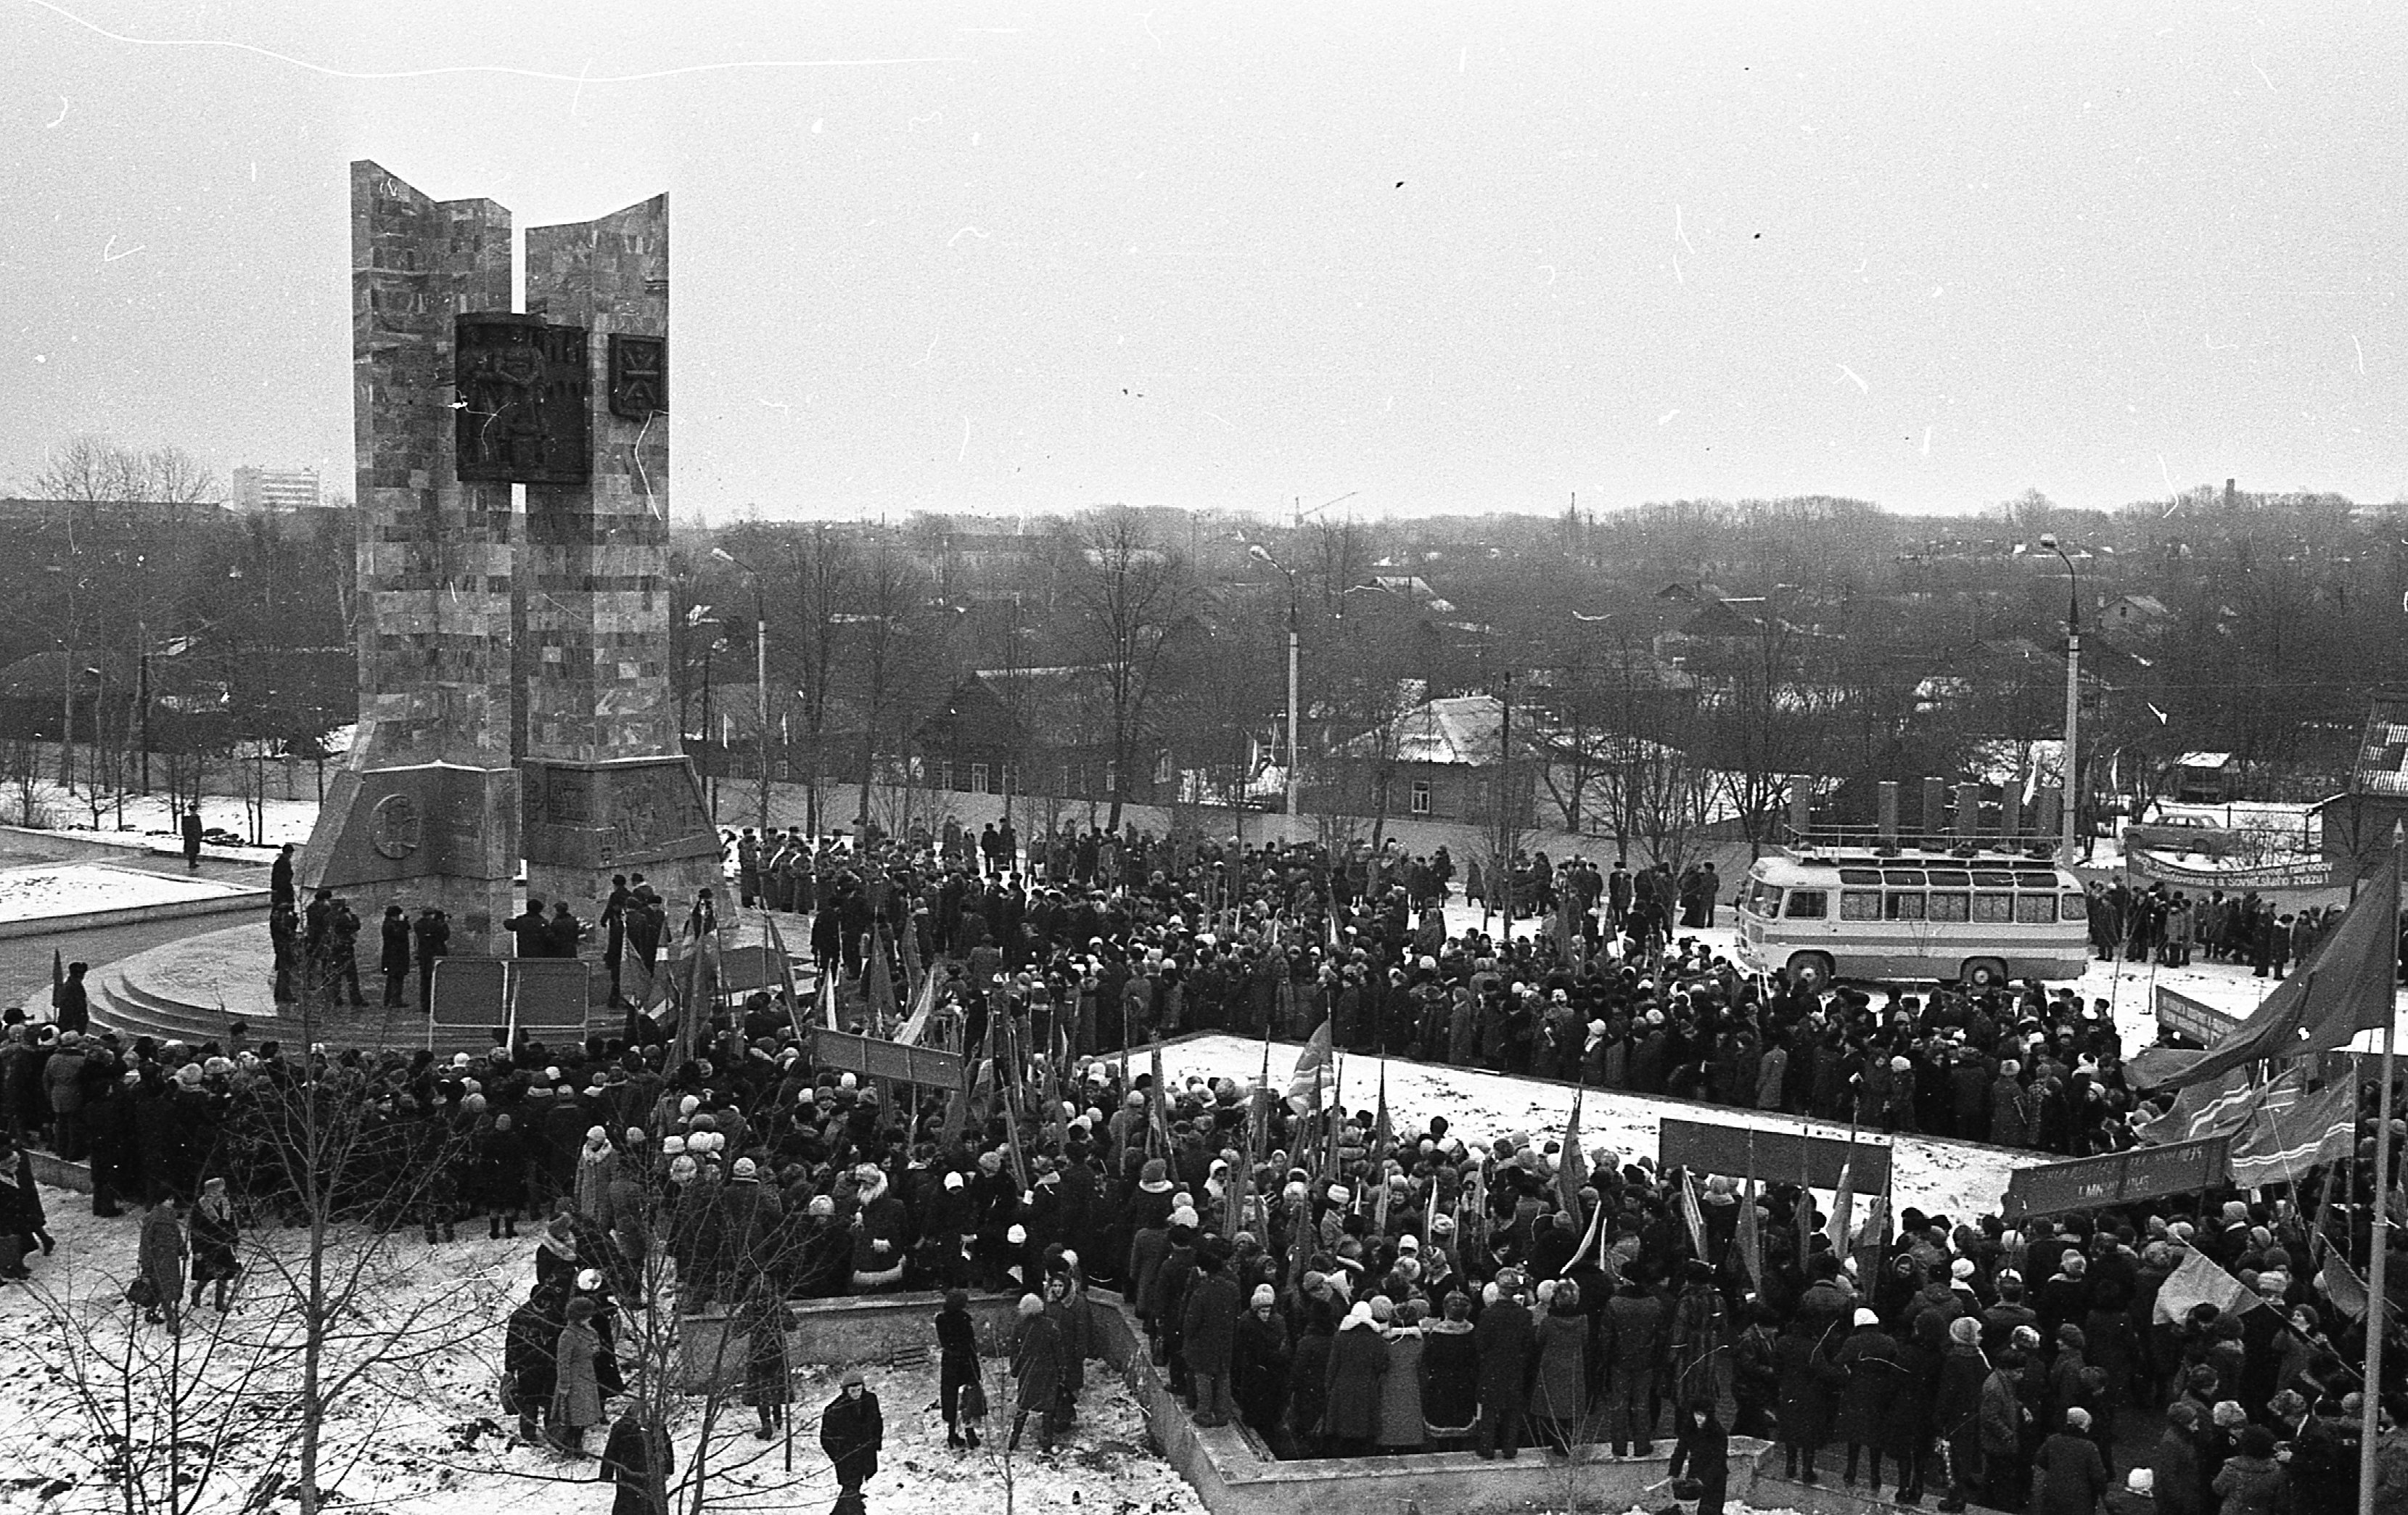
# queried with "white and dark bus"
point(1980, 920)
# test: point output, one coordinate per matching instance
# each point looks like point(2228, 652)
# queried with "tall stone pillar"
point(425, 810)
point(608, 789)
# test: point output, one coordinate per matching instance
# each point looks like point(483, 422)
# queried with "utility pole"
point(1505, 803)
point(2073, 701)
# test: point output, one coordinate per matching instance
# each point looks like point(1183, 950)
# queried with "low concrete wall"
point(866, 1328)
point(58, 1173)
point(1234, 1474)
point(1228, 1466)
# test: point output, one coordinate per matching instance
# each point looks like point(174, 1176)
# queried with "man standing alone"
point(851, 1432)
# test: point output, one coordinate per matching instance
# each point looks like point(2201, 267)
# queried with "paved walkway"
point(26, 961)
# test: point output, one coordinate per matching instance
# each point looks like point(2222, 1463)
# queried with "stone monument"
point(514, 697)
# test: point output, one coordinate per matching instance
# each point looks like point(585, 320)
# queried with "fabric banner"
point(1304, 1084)
point(2346, 985)
point(2290, 1134)
point(2199, 1281)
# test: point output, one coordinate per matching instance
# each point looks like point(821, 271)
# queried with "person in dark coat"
point(2070, 1475)
point(22, 1220)
point(1701, 1449)
point(71, 1003)
point(629, 1459)
point(1208, 1331)
point(1876, 1375)
point(957, 1372)
point(1308, 1379)
point(2176, 1484)
point(1450, 1378)
point(1505, 1338)
point(431, 936)
point(852, 1430)
point(392, 954)
point(1037, 1368)
point(1807, 1377)
point(1633, 1346)
point(1358, 1359)
point(190, 830)
point(214, 1237)
point(768, 1381)
point(527, 1346)
point(1258, 1363)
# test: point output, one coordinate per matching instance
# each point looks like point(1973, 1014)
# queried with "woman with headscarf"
point(160, 1265)
point(2069, 1474)
point(1559, 1389)
point(1450, 1377)
point(960, 1393)
point(1259, 1363)
point(1701, 1449)
point(1037, 1368)
point(597, 1164)
point(1358, 1360)
point(212, 1237)
point(576, 1390)
point(1401, 1426)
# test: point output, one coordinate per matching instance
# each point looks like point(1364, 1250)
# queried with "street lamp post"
point(1262, 554)
point(2073, 700)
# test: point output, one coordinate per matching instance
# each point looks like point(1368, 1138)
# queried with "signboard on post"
point(744, 969)
point(2085, 1183)
point(1774, 1156)
point(471, 991)
point(2184, 1016)
point(871, 1058)
point(551, 993)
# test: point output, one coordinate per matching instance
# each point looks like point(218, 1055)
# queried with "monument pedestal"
point(433, 834)
point(587, 822)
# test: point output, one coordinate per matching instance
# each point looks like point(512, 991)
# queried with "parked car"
point(2196, 833)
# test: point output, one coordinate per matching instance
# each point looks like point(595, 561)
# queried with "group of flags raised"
point(1318, 1069)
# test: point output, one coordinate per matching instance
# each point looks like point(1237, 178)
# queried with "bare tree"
point(1131, 597)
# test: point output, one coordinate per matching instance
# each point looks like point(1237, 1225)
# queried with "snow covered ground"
point(1949, 1178)
point(150, 823)
point(428, 1436)
point(75, 888)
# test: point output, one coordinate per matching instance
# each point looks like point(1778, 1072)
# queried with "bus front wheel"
point(1810, 970)
point(1983, 973)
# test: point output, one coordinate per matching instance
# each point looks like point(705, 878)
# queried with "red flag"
point(1571, 1167)
point(2287, 1133)
point(1309, 1062)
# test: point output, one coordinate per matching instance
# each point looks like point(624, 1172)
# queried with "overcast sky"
point(1451, 257)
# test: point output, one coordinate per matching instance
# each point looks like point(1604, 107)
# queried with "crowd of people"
point(1337, 1287)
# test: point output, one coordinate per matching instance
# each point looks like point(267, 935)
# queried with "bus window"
point(1759, 898)
point(1861, 876)
point(1994, 881)
point(2076, 908)
point(1902, 878)
point(1899, 906)
point(1806, 905)
point(2035, 909)
point(1947, 906)
point(1859, 904)
point(1994, 909)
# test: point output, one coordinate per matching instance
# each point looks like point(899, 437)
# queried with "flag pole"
point(2378, 1312)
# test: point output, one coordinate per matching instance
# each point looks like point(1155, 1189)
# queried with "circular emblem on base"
point(395, 832)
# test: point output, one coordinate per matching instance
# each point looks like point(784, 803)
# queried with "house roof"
point(1466, 731)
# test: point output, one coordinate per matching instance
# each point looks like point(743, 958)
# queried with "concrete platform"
point(192, 989)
